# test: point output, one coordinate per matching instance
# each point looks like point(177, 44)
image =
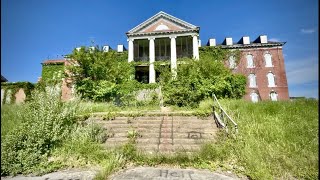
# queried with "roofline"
point(238, 46)
point(163, 32)
point(159, 14)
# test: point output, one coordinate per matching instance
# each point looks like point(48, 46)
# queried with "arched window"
point(271, 82)
point(250, 63)
point(232, 62)
point(273, 96)
point(254, 97)
point(252, 80)
point(268, 59)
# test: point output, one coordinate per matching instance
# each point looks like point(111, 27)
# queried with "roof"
point(252, 45)
point(54, 61)
point(3, 79)
point(161, 15)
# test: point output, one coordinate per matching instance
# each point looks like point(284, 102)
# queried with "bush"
point(45, 122)
point(197, 80)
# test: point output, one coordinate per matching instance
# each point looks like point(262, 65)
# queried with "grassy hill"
point(275, 140)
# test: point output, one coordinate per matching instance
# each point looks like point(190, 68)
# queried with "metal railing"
point(221, 117)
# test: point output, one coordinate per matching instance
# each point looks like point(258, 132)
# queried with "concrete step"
point(131, 125)
point(166, 135)
point(179, 147)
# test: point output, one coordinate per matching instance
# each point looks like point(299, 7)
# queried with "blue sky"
point(35, 30)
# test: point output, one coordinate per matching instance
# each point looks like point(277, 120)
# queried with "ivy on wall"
point(52, 73)
point(14, 88)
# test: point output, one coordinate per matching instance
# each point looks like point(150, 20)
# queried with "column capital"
point(173, 37)
point(151, 38)
point(195, 35)
point(130, 39)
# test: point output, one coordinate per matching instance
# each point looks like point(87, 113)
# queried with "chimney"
point(263, 39)
point(78, 49)
point(228, 41)
point(245, 40)
point(106, 48)
point(121, 48)
point(91, 48)
point(211, 42)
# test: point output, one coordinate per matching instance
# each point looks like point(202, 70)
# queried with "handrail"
point(234, 123)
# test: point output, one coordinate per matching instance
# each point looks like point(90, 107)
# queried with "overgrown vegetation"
point(108, 77)
point(11, 88)
point(41, 125)
point(52, 72)
point(275, 140)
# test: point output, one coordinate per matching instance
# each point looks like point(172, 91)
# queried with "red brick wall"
point(66, 89)
point(261, 72)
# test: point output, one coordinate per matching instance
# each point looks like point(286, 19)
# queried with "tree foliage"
point(197, 80)
point(107, 76)
point(97, 74)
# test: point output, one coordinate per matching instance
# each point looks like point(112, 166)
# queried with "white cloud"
point(308, 31)
point(274, 39)
point(302, 71)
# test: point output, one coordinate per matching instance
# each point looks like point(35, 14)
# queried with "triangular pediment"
point(162, 22)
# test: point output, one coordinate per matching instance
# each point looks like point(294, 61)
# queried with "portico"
point(162, 38)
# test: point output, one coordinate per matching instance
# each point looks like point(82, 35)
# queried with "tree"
point(96, 74)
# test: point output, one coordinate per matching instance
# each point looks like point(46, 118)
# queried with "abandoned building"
point(165, 37)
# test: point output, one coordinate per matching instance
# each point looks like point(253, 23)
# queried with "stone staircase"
point(165, 134)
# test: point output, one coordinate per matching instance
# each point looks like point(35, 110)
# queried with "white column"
point(130, 53)
point(173, 56)
point(152, 73)
point(195, 47)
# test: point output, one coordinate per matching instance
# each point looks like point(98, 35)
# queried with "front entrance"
point(142, 74)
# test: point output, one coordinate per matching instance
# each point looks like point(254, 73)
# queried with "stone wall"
point(20, 96)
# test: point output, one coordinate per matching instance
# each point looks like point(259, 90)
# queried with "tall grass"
point(10, 118)
point(276, 139)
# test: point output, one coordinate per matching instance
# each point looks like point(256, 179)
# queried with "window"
point(250, 63)
point(273, 96)
point(254, 97)
point(271, 82)
point(232, 62)
point(252, 80)
point(268, 60)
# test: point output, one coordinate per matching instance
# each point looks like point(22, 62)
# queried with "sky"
point(35, 30)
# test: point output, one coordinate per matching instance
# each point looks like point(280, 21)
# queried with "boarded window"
point(273, 96)
point(254, 97)
point(271, 82)
point(250, 63)
point(268, 60)
point(252, 80)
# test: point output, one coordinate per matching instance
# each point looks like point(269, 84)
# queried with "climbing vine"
point(14, 88)
point(107, 76)
point(52, 72)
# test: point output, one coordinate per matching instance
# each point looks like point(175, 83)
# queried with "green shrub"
point(45, 122)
